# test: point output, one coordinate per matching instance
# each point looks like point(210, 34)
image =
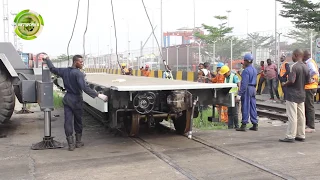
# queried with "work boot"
point(242, 128)
point(78, 141)
point(71, 143)
point(254, 127)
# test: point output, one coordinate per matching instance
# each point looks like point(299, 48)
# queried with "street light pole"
point(153, 37)
point(167, 55)
point(177, 58)
point(188, 46)
point(275, 33)
point(199, 43)
point(194, 14)
point(214, 52)
point(128, 41)
point(228, 17)
point(161, 30)
point(231, 55)
point(247, 21)
point(279, 49)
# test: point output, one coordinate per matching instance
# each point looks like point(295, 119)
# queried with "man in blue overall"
point(247, 94)
point(74, 83)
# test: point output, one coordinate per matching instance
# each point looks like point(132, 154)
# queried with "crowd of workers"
point(247, 108)
point(167, 74)
point(299, 82)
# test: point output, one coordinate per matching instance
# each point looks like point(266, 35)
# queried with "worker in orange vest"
point(145, 71)
point(311, 90)
point(219, 78)
point(283, 75)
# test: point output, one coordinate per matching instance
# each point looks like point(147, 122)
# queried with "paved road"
point(106, 156)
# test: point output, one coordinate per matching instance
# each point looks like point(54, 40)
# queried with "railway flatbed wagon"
point(134, 100)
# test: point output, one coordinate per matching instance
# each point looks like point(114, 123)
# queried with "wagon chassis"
point(132, 102)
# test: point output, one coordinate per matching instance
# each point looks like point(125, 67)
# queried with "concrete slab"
point(103, 157)
point(106, 156)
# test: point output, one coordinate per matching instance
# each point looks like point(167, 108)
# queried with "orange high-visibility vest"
point(145, 73)
point(313, 85)
point(283, 69)
point(218, 79)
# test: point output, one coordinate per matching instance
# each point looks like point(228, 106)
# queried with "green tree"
point(215, 33)
point(302, 38)
point(219, 36)
point(305, 14)
point(259, 41)
point(223, 48)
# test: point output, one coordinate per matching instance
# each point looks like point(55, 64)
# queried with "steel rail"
point(162, 157)
point(196, 139)
point(240, 158)
point(272, 115)
point(278, 109)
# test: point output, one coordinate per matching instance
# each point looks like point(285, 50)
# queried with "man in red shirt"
point(271, 74)
point(262, 78)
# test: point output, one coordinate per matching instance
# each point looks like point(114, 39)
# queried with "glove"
point(238, 98)
point(103, 97)
point(312, 80)
point(45, 57)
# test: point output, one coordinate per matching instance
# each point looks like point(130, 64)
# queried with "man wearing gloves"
point(74, 83)
point(247, 94)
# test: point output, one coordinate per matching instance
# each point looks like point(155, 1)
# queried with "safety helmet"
point(123, 64)
point(147, 65)
point(224, 69)
point(220, 64)
point(248, 57)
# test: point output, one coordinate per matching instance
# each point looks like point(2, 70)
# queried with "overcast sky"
point(59, 15)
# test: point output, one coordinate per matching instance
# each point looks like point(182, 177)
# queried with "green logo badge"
point(28, 24)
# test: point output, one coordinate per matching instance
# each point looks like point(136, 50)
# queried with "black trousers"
point(309, 107)
point(72, 114)
point(284, 90)
point(233, 120)
point(261, 81)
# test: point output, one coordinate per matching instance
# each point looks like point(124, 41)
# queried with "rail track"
point(271, 112)
point(275, 112)
point(161, 156)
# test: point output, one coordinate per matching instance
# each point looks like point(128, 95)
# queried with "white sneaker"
point(309, 130)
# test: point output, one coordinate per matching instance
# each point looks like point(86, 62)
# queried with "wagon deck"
point(139, 83)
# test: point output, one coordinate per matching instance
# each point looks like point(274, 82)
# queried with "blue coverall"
point(74, 83)
point(248, 95)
